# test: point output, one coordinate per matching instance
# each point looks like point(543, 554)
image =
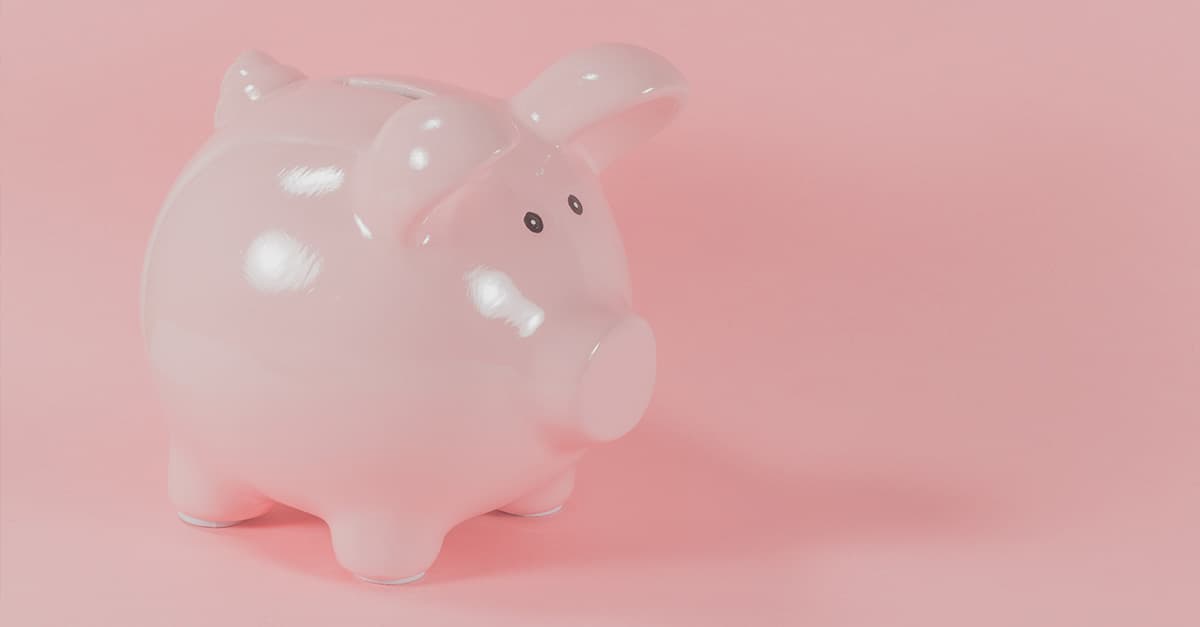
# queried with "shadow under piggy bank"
point(654, 497)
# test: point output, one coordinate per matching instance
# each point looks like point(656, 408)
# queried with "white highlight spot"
point(252, 92)
point(408, 91)
point(496, 297)
point(277, 262)
point(425, 241)
point(432, 123)
point(418, 159)
point(647, 90)
point(591, 76)
point(305, 181)
point(362, 227)
point(535, 116)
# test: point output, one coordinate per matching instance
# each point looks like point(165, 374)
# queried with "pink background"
point(925, 278)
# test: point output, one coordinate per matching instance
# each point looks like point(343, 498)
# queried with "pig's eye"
point(575, 205)
point(533, 222)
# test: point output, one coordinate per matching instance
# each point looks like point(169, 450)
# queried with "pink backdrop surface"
point(925, 278)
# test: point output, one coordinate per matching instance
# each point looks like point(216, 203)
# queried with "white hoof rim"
point(550, 512)
point(393, 582)
point(200, 522)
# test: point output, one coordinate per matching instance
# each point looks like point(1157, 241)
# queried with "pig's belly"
point(448, 440)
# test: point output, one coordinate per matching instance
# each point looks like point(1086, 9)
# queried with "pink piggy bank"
point(397, 304)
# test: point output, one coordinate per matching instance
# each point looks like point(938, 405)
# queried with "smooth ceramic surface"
point(396, 304)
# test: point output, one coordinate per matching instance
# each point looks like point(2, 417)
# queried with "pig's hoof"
point(550, 512)
point(200, 522)
point(393, 582)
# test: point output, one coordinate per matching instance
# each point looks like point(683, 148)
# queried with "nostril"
point(617, 382)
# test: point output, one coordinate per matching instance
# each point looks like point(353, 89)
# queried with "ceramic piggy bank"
point(398, 304)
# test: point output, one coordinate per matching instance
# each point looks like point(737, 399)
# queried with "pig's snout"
point(617, 381)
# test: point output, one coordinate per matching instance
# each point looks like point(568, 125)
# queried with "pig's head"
point(505, 195)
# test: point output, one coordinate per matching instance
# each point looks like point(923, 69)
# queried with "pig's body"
point(350, 310)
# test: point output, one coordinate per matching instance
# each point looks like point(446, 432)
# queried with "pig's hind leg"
point(205, 498)
point(546, 500)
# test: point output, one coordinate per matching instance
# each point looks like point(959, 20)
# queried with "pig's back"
point(259, 258)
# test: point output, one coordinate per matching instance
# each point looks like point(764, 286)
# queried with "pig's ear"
point(251, 77)
point(602, 100)
point(427, 150)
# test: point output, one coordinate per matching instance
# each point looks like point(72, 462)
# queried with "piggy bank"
point(398, 304)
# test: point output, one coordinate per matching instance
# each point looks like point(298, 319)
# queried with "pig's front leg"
point(206, 497)
point(385, 547)
point(545, 500)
